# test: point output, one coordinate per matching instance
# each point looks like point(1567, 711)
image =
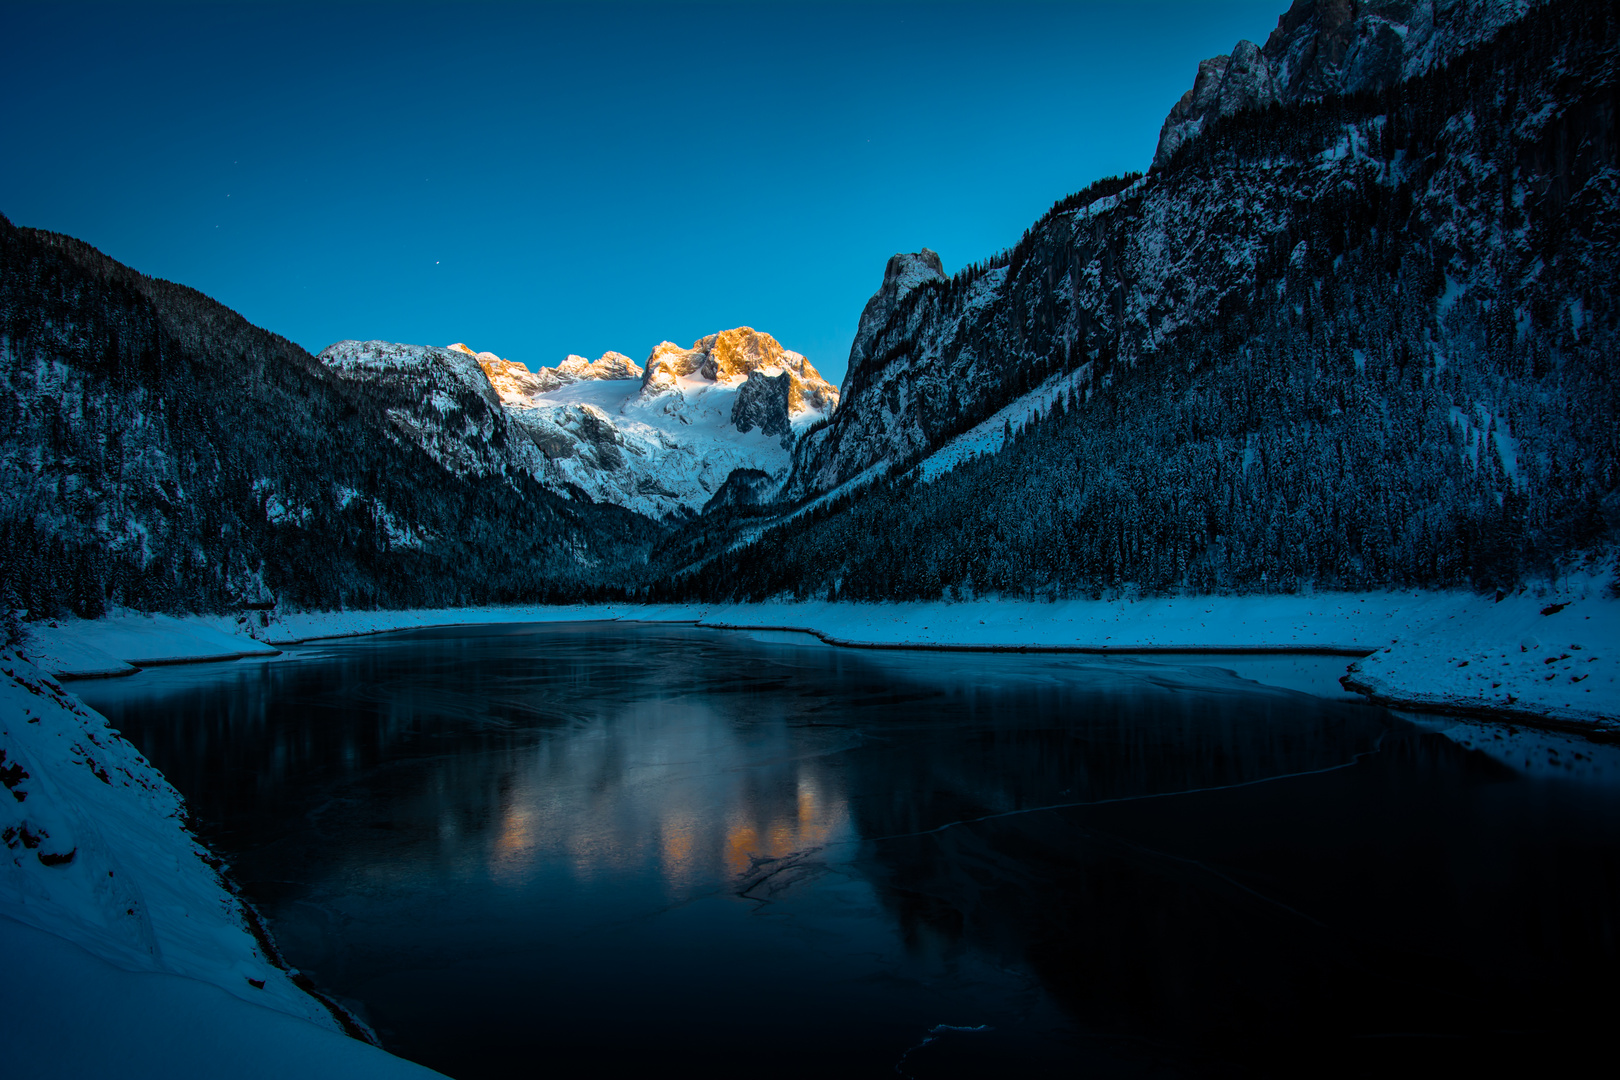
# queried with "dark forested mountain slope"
point(161, 452)
point(1355, 342)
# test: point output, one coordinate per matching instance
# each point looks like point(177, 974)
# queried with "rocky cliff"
point(1326, 48)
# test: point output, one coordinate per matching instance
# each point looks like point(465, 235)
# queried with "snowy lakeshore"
point(126, 953)
point(1548, 656)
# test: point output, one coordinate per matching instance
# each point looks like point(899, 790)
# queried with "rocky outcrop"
point(1326, 47)
point(510, 379)
point(610, 365)
point(581, 432)
point(763, 402)
point(743, 488)
point(904, 273)
point(441, 399)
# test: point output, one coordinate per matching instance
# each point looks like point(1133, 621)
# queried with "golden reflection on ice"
point(807, 800)
point(756, 832)
point(658, 792)
point(677, 848)
point(517, 833)
point(742, 841)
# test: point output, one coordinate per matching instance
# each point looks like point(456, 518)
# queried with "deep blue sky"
point(544, 179)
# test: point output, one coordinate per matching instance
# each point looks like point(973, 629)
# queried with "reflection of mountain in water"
point(665, 786)
point(1246, 923)
point(483, 754)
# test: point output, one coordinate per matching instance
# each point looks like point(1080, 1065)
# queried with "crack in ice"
point(1354, 760)
point(934, 1033)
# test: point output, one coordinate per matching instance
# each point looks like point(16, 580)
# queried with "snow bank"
point(1548, 655)
point(68, 1012)
point(99, 878)
point(1455, 651)
point(1552, 658)
point(117, 645)
point(1348, 623)
point(293, 628)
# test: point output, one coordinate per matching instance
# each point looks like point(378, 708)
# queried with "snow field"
point(1526, 657)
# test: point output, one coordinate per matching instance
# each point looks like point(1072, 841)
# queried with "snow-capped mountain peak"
point(659, 441)
point(517, 385)
point(610, 365)
point(732, 357)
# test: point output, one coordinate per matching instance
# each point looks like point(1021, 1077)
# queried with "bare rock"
point(1323, 48)
point(762, 402)
point(904, 273)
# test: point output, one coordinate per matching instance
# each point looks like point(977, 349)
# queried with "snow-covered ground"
point(1549, 654)
point(124, 954)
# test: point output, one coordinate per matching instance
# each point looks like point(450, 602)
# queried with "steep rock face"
point(743, 488)
point(509, 378)
point(1355, 342)
point(763, 402)
point(441, 398)
point(907, 400)
point(579, 442)
point(610, 365)
point(904, 273)
point(1323, 48)
point(890, 317)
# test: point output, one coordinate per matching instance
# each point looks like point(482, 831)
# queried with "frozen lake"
point(619, 849)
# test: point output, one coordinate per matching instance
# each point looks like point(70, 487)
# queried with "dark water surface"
point(609, 849)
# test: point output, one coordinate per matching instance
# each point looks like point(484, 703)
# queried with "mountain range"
point(1353, 328)
point(659, 439)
